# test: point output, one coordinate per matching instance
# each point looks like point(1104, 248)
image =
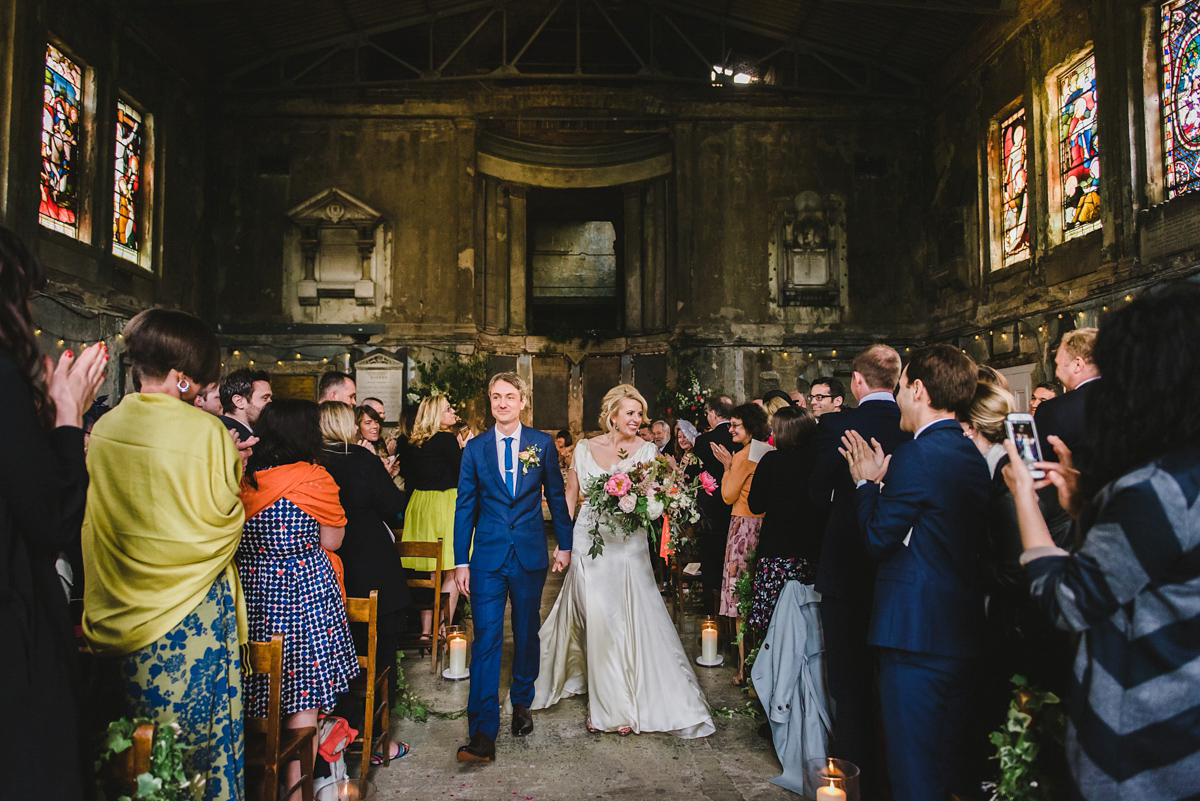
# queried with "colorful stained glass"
point(1078, 149)
point(1013, 133)
point(61, 124)
point(1181, 95)
point(127, 195)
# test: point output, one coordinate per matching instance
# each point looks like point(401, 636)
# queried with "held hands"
point(867, 462)
point(72, 384)
point(561, 560)
point(723, 455)
point(1062, 474)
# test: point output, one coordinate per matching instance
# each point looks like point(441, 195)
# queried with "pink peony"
point(617, 485)
point(708, 482)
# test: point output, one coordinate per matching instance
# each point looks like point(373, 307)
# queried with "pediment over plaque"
point(338, 238)
point(377, 360)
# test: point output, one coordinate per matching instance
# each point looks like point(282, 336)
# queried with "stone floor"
point(560, 760)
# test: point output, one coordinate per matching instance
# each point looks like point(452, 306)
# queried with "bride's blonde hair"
point(612, 403)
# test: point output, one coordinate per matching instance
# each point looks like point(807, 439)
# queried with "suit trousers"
point(926, 706)
point(850, 668)
point(712, 535)
point(490, 591)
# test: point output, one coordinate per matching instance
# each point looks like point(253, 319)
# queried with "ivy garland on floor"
point(410, 706)
point(166, 779)
point(1029, 747)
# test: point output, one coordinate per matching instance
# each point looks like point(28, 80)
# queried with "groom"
point(500, 500)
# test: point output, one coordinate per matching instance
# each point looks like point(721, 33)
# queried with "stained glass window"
point(1078, 149)
point(1181, 95)
point(1013, 134)
point(127, 197)
point(62, 121)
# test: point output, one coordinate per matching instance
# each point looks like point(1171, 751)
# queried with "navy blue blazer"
point(1064, 418)
point(927, 594)
point(844, 569)
point(495, 520)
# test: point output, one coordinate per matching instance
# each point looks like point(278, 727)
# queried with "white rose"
point(654, 508)
point(628, 503)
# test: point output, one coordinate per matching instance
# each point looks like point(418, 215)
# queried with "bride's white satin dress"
point(610, 636)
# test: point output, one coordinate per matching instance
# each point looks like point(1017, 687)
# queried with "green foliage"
point(683, 398)
point(461, 378)
point(410, 706)
point(750, 710)
point(743, 592)
point(1029, 747)
point(166, 779)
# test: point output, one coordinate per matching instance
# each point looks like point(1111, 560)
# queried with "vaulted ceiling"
point(838, 46)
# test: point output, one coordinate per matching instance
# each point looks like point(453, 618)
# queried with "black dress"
point(373, 505)
point(43, 487)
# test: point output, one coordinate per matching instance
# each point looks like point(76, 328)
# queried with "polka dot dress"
point(290, 588)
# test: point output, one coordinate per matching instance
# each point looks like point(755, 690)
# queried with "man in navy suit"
point(504, 472)
point(845, 574)
point(712, 532)
point(922, 512)
point(1063, 416)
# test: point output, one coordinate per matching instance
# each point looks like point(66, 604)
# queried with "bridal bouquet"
point(636, 498)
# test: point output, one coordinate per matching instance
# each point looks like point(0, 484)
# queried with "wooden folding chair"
point(371, 688)
point(269, 746)
point(427, 550)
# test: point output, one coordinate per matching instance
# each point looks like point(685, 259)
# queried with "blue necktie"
point(508, 467)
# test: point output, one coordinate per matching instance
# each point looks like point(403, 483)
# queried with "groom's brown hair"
point(511, 378)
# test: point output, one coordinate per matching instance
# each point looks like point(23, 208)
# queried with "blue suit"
point(846, 582)
point(928, 611)
point(509, 560)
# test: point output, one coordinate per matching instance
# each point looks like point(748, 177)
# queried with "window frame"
point(994, 152)
point(1052, 150)
point(144, 255)
point(86, 144)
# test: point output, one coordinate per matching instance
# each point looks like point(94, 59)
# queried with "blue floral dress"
point(290, 588)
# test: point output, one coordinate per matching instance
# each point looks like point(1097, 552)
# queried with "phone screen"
point(1024, 436)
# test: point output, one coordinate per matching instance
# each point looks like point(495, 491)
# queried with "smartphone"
point(1023, 432)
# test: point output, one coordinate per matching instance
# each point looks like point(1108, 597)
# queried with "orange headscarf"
point(310, 487)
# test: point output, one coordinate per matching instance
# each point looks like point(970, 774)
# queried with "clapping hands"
point(867, 462)
point(73, 382)
point(723, 455)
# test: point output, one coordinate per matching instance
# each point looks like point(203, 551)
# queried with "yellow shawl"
point(163, 520)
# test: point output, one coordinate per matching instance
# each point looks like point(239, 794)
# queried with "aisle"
point(561, 761)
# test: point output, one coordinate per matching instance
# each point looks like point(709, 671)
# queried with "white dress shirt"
point(516, 448)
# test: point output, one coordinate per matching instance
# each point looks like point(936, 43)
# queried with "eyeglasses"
point(819, 397)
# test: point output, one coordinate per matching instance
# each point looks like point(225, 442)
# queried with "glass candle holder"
point(831, 779)
point(709, 639)
point(456, 645)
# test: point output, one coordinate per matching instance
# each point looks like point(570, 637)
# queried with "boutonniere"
point(529, 458)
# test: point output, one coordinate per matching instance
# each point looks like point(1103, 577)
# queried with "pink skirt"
point(743, 538)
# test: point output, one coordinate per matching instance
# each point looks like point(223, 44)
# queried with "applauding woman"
point(163, 523)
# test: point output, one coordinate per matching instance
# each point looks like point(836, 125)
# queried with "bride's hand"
point(561, 560)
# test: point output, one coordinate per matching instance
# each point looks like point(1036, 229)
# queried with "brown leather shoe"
point(522, 721)
point(480, 749)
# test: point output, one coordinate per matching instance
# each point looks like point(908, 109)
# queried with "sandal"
point(402, 750)
point(624, 731)
point(425, 644)
point(591, 729)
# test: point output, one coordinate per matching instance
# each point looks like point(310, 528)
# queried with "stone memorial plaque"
point(381, 376)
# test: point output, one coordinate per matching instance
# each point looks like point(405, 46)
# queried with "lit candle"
point(708, 641)
point(458, 656)
point(831, 793)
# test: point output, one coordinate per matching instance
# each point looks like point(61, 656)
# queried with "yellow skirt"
point(430, 516)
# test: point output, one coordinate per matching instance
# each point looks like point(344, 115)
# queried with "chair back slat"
point(267, 658)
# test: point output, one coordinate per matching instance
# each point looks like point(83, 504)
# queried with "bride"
point(609, 634)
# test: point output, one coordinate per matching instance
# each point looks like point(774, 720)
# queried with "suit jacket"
point(232, 424)
point(713, 507)
point(935, 495)
point(844, 569)
point(495, 520)
point(1064, 417)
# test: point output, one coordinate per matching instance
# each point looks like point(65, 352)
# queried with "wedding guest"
point(42, 494)
point(163, 523)
point(429, 463)
point(789, 542)
point(645, 432)
point(377, 405)
point(775, 400)
point(1043, 392)
point(335, 386)
point(712, 531)
point(1131, 590)
point(562, 444)
point(685, 443)
point(748, 427)
point(292, 517)
point(660, 431)
point(800, 393)
point(827, 396)
point(1063, 416)
point(244, 393)
point(373, 506)
point(208, 399)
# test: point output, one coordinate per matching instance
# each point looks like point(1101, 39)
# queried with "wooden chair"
point(121, 772)
point(371, 688)
point(427, 550)
point(269, 746)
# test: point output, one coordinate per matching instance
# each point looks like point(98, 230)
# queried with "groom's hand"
point(561, 560)
point(462, 577)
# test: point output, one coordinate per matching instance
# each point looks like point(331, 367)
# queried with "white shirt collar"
point(516, 446)
point(878, 396)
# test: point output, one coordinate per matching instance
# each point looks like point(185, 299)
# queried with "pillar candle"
point(458, 657)
point(708, 645)
point(831, 793)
